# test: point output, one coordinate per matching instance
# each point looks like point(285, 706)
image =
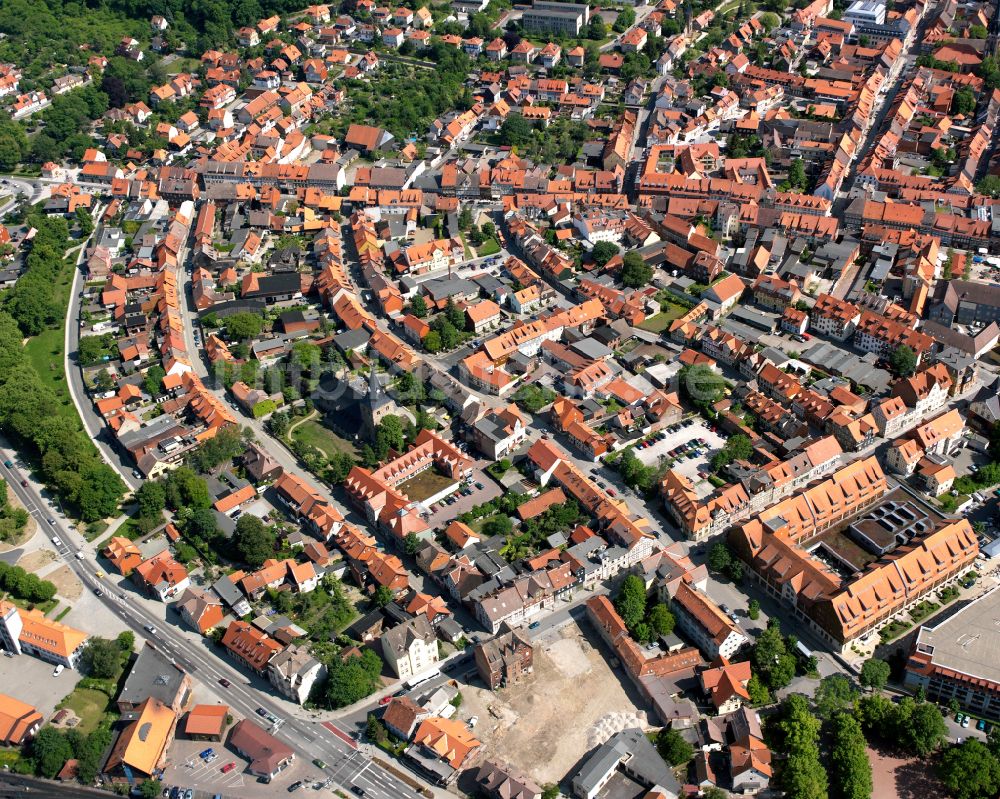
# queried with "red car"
point(228, 767)
point(385, 700)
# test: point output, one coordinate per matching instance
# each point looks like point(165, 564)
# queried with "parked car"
point(205, 753)
point(534, 625)
point(228, 767)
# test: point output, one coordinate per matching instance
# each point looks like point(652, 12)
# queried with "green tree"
point(661, 620)
point(797, 174)
point(499, 524)
point(339, 467)
point(903, 361)
point(851, 771)
point(50, 750)
point(412, 544)
point(926, 729)
point(833, 695)
point(597, 29)
point(92, 350)
point(353, 679)
point(989, 185)
point(151, 497)
point(719, 557)
point(150, 789)
point(389, 433)
point(771, 660)
point(701, 385)
point(769, 20)
point(759, 695)
point(624, 20)
point(963, 102)
point(603, 252)
point(550, 791)
point(970, 770)
point(84, 221)
point(432, 342)
point(153, 380)
point(803, 776)
point(631, 600)
point(672, 747)
point(383, 596)
point(243, 326)
point(103, 381)
point(418, 307)
point(635, 271)
point(874, 674)
point(278, 424)
point(465, 218)
point(185, 489)
point(10, 152)
point(515, 131)
point(253, 540)
point(102, 658)
point(126, 641)
point(875, 712)
point(753, 610)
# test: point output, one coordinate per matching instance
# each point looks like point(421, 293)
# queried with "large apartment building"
point(564, 18)
point(957, 658)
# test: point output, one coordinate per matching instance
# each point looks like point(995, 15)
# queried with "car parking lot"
point(212, 775)
point(481, 489)
point(687, 447)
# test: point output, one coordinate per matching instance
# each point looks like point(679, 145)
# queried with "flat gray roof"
point(967, 642)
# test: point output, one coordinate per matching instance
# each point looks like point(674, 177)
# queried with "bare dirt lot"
point(572, 702)
point(67, 585)
point(895, 777)
point(36, 560)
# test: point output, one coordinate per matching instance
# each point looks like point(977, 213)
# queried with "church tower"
point(376, 405)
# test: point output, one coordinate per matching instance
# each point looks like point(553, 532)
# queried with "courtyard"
point(428, 483)
point(544, 724)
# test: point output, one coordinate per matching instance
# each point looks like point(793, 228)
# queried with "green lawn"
point(323, 438)
point(488, 247)
point(183, 65)
point(426, 484)
point(44, 607)
point(89, 705)
point(662, 320)
point(45, 351)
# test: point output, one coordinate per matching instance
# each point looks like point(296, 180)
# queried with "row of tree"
point(33, 416)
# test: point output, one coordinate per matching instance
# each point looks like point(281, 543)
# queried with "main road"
point(311, 740)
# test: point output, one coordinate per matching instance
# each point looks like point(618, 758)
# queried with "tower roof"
point(377, 396)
